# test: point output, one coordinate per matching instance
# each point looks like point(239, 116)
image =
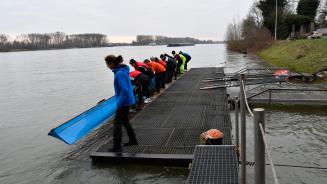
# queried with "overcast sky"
point(121, 20)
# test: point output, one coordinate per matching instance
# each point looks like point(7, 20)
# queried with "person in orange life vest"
point(137, 64)
point(140, 66)
point(124, 98)
point(142, 81)
point(163, 63)
point(160, 72)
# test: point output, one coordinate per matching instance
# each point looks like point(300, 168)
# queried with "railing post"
point(237, 131)
point(259, 146)
point(269, 96)
point(243, 131)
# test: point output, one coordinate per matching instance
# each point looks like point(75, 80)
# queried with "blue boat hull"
point(76, 128)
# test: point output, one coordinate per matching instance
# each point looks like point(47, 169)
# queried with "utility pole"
point(276, 22)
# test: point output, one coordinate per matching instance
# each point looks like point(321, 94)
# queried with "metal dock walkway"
point(168, 129)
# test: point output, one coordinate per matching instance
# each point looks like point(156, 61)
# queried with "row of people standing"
point(124, 90)
point(157, 72)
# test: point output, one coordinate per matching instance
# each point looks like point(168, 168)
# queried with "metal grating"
point(214, 164)
point(216, 117)
point(186, 86)
point(168, 129)
point(128, 149)
point(175, 98)
point(206, 99)
point(185, 117)
point(169, 150)
point(191, 137)
point(146, 137)
point(149, 121)
point(217, 121)
point(185, 137)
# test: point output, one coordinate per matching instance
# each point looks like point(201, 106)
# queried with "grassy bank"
point(300, 56)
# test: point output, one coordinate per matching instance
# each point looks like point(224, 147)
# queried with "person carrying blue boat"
point(188, 58)
point(124, 99)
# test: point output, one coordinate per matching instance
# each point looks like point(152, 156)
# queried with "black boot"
point(116, 145)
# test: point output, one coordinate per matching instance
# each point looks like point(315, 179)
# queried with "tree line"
point(57, 40)
point(257, 30)
point(164, 40)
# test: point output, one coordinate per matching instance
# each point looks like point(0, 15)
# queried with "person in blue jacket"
point(188, 58)
point(125, 99)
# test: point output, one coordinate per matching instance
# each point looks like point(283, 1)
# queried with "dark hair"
point(156, 59)
point(162, 56)
point(111, 59)
point(146, 61)
point(173, 52)
point(132, 61)
point(180, 52)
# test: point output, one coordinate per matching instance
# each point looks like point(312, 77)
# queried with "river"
point(42, 89)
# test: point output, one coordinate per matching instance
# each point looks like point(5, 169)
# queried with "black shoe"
point(115, 150)
point(131, 143)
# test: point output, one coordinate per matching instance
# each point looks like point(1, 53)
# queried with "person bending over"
point(160, 72)
point(188, 58)
point(171, 65)
point(142, 81)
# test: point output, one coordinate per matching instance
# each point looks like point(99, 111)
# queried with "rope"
point(269, 155)
point(246, 99)
point(251, 163)
point(299, 166)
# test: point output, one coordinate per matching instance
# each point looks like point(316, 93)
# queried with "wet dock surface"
point(168, 129)
point(214, 164)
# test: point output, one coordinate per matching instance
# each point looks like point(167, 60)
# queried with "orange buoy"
point(212, 137)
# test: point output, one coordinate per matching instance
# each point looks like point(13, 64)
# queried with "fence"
point(260, 142)
point(323, 31)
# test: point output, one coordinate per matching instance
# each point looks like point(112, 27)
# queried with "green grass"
point(304, 56)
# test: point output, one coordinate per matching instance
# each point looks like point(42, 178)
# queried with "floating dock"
point(168, 129)
point(288, 94)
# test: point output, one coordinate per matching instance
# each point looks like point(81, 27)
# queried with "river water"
point(42, 89)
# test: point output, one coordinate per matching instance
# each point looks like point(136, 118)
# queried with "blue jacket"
point(123, 87)
point(188, 57)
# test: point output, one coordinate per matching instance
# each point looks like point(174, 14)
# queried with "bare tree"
point(57, 40)
point(234, 31)
point(256, 14)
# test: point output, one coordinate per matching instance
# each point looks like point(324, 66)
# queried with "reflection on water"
point(296, 136)
point(41, 89)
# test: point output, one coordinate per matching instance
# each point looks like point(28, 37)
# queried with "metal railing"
point(293, 90)
point(260, 142)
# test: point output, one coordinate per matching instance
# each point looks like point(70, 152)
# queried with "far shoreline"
point(119, 45)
